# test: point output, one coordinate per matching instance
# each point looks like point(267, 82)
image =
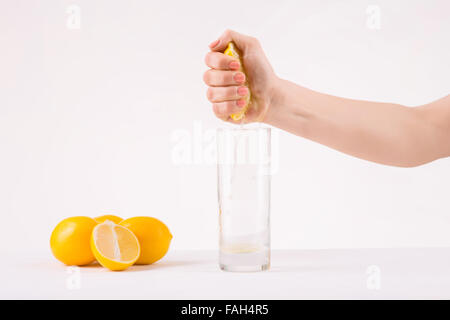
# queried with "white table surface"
point(302, 274)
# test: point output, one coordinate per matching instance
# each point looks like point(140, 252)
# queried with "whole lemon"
point(109, 217)
point(153, 235)
point(70, 241)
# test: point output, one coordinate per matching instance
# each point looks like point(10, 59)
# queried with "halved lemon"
point(233, 51)
point(115, 247)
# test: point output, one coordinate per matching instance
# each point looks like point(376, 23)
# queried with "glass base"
point(255, 268)
point(244, 260)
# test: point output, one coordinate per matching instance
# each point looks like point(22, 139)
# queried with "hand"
point(226, 84)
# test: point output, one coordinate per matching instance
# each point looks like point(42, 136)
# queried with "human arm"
point(385, 133)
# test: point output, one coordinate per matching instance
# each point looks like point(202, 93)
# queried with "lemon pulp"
point(114, 246)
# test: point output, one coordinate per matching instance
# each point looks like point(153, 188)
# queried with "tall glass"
point(244, 198)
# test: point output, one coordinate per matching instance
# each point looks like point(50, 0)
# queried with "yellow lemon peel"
point(232, 51)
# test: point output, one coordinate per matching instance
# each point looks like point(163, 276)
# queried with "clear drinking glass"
point(244, 198)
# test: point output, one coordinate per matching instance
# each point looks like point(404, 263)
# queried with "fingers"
point(220, 61)
point(242, 41)
point(221, 94)
point(219, 78)
point(226, 90)
point(224, 109)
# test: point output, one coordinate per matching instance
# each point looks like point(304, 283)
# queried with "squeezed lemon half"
point(114, 246)
point(232, 51)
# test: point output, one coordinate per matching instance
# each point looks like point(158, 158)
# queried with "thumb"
point(243, 42)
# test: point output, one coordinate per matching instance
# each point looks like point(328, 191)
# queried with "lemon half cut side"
point(114, 246)
point(233, 51)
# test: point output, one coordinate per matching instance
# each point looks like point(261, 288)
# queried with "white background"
point(89, 118)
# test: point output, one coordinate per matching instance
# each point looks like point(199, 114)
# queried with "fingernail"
point(240, 103)
point(239, 77)
point(242, 91)
point(214, 43)
point(234, 65)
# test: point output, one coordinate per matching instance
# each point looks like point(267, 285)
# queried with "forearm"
point(380, 132)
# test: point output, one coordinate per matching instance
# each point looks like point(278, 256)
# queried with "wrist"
point(275, 101)
point(284, 104)
point(288, 110)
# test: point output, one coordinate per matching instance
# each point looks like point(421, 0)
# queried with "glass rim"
point(237, 129)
